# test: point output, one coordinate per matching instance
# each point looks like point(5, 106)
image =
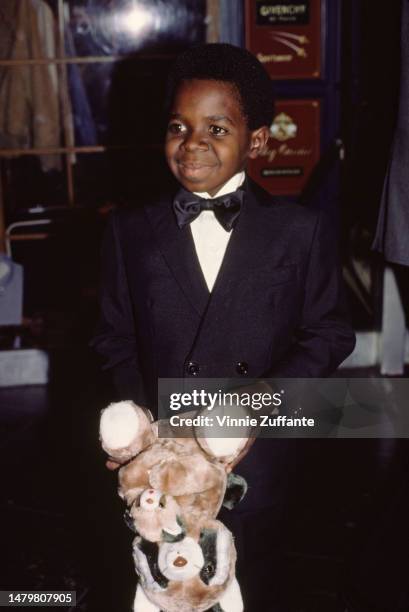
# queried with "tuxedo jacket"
point(276, 309)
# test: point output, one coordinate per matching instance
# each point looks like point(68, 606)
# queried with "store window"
point(81, 90)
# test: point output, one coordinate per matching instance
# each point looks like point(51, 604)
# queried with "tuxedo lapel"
point(247, 247)
point(178, 249)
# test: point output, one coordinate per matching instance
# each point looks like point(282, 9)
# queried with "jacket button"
point(193, 368)
point(242, 368)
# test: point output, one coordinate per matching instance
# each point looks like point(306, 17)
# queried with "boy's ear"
point(258, 141)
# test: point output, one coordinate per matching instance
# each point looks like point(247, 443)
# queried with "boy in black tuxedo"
point(220, 279)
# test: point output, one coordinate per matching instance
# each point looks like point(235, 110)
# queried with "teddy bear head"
point(194, 573)
point(155, 516)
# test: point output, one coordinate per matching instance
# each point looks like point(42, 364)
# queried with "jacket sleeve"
point(115, 339)
point(324, 337)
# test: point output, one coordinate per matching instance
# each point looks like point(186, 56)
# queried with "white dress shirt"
point(210, 238)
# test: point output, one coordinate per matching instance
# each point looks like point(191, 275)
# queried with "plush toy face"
point(151, 500)
point(192, 574)
point(180, 560)
point(155, 516)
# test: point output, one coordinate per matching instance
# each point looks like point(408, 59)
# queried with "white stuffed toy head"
point(155, 516)
point(191, 575)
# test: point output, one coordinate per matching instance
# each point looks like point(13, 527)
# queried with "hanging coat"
point(392, 231)
point(30, 114)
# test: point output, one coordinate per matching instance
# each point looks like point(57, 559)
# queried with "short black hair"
point(230, 64)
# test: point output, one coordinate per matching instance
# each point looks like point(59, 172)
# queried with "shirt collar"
point(232, 185)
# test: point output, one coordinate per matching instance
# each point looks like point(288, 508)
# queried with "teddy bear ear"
point(218, 442)
point(124, 430)
point(223, 449)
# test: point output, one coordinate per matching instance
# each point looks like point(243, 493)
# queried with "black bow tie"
point(188, 206)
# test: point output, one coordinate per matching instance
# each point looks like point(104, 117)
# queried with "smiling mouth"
point(193, 165)
point(194, 170)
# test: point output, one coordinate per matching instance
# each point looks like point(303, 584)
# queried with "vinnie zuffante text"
point(246, 421)
point(202, 399)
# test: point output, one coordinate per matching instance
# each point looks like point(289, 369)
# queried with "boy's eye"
point(217, 130)
point(176, 128)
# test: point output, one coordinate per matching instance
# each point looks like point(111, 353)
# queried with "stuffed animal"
point(184, 480)
point(174, 488)
point(155, 516)
point(191, 575)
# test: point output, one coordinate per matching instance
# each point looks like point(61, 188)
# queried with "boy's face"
point(207, 139)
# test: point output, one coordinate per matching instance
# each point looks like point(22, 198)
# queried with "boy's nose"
point(195, 141)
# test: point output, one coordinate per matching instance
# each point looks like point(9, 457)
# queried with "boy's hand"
point(260, 386)
point(112, 465)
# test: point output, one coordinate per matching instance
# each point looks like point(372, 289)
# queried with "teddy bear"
point(174, 488)
point(164, 479)
point(194, 574)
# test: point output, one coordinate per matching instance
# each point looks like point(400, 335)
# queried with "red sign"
point(285, 35)
point(293, 148)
